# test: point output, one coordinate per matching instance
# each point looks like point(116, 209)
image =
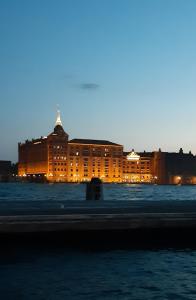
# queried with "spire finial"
point(58, 119)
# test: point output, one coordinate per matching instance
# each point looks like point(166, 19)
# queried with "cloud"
point(89, 86)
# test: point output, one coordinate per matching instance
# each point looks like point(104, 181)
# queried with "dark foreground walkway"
point(37, 216)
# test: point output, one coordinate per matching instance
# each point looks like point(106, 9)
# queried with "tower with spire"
point(58, 129)
point(58, 119)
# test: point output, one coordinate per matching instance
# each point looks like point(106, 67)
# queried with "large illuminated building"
point(55, 158)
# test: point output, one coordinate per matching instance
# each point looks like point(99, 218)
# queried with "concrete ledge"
point(132, 223)
point(95, 222)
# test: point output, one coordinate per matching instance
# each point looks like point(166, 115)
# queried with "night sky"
point(120, 70)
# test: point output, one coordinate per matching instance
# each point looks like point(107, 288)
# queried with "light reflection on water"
point(112, 192)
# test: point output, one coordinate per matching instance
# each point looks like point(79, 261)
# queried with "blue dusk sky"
point(121, 70)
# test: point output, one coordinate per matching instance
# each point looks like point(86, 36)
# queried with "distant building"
point(5, 170)
point(174, 168)
point(55, 158)
point(94, 158)
point(137, 167)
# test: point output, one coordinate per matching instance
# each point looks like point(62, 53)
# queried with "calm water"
point(55, 272)
point(112, 192)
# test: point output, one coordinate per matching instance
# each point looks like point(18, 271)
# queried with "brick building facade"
point(55, 158)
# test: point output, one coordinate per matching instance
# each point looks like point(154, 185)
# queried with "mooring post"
point(94, 189)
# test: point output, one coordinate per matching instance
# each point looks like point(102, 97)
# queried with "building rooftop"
point(142, 154)
point(93, 142)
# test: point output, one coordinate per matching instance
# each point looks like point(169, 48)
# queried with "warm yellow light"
point(37, 143)
point(133, 156)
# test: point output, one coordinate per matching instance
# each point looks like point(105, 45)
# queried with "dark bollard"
point(94, 189)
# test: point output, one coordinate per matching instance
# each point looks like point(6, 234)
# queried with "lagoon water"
point(55, 272)
point(112, 192)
